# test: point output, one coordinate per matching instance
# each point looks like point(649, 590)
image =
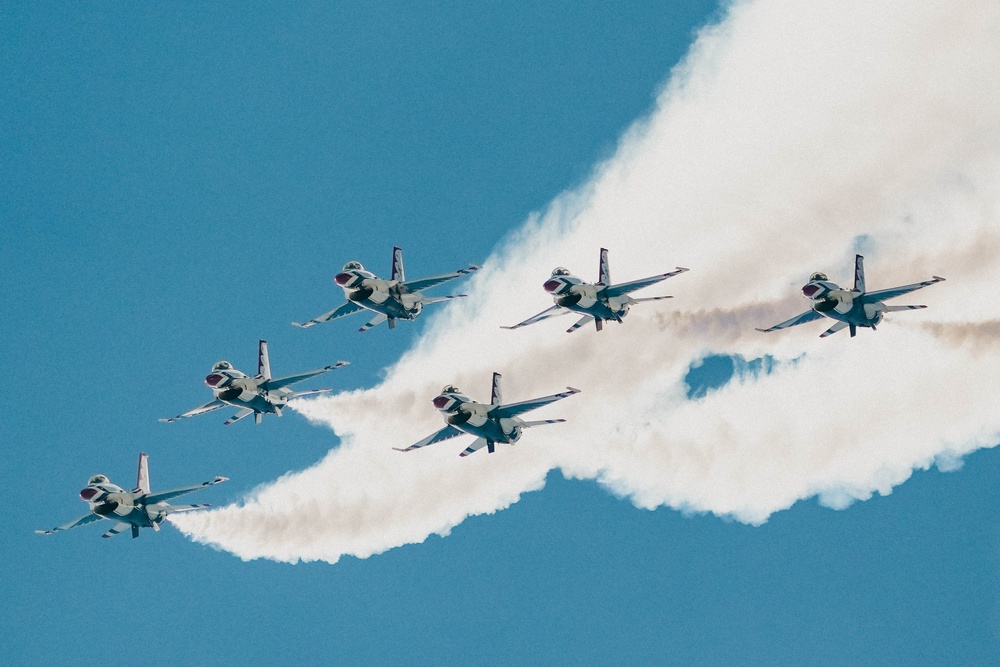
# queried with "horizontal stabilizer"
point(340, 311)
point(444, 434)
point(478, 444)
point(120, 527)
point(200, 410)
point(552, 311)
point(834, 329)
point(374, 322)
point(242, 414)
point(542, 422)
point(580, 322)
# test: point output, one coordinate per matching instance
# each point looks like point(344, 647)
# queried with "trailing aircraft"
point(490, 423)
point(390, 300)
point(257, 395)
point(135, 509)
point(597, 302)
point(851, 308)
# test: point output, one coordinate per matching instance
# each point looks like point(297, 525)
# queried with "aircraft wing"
point(514, 409)
point(278, 383)
point(625, 288)
point(808, 316)
point(152, 498)
point(200, 410)
point(83, 520)
point(553, 311)
point(340, 311)
point(444, 434)
point(893, 292)
point(427, 283)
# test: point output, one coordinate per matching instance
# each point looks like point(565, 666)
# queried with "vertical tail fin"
point(605, 271)
point(496, 396)
point(263, 361)
point(398, 274)
point(142, 479)
point(859, 273)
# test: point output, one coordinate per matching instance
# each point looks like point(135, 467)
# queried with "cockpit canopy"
point(97, 479)
point(450, 389)
point(560, 271)
point(353, 266)
point(817, 276)
point(222, 366)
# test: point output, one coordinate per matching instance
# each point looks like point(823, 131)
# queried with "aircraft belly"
point(490, 430)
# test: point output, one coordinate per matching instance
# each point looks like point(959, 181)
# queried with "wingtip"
point(43, 532)
point(220, 479)
point(573, 390)
point(681, 268)
point(401, 449)
point(762, 330)
point(938, 278)
point(165, 420)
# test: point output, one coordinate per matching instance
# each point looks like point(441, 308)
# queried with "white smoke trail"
point(793, 135)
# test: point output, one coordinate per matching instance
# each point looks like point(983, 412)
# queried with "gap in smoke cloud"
point(715, 371)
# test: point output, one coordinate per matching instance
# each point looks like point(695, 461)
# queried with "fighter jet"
point(598, 302)
point(850, 308)
point(393, 299)
point(490, 423)
point(135, 509)
point(255, 395)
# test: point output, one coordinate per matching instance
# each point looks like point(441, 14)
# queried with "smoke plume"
point(792, 136)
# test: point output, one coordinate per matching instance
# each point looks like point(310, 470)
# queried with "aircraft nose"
point(215, 380)
point(811, 290)
point(89, 493)
point(553, 286)
point(344, 279)
point(442, 402)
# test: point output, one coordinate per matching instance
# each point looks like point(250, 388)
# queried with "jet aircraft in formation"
point(257, 395)
point(139, 508)
point(490, 423)
point(599, 301)
point(850, 308)
point(390, 300)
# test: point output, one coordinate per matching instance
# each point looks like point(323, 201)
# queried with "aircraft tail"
point(263, 361)
point(398, 273)
point(142, 479)
point(605, 270)
point(496, 393)
point(859, 273)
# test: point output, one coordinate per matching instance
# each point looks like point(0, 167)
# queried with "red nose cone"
point(441, 401)
point(552, 285)
point(343, 278)
point(88, 493)
point(214, 379)
point(810, 289)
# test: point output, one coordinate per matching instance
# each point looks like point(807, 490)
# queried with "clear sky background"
point(177, 182)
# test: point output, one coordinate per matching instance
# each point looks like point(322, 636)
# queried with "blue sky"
point(179, 182)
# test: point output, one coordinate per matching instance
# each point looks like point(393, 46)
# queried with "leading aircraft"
point(255, 395)
point(390, 300)
point(599, 301)
point(490, 423)
point(850, 308)
point(135, 509)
